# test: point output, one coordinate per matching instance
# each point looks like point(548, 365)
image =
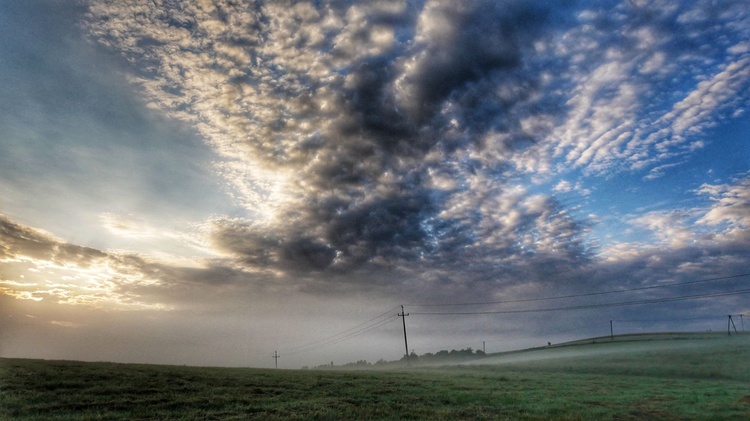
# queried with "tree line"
point(442, 356)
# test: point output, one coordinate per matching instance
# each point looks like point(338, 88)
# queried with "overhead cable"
point(344, 338)
point(590, 306)
point(345, 334)
point(588, 294)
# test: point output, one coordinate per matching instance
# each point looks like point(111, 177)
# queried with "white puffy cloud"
point(720, 225)
point(731, 205)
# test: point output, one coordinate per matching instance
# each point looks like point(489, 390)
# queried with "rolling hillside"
point(655, 377)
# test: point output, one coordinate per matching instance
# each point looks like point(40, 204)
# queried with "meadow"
point(688, 377)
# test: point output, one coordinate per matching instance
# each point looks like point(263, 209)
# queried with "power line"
point(507, 338)
point(590, 306)
point(681, 319)
point(589, 294)
point(388, 317)
point(344, 335)
point(342, 332)
point(345, 338)
point(336, 339)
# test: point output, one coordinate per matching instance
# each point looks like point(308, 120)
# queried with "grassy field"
point(690, 378)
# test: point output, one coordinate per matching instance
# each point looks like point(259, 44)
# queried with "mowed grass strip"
point(637, 385)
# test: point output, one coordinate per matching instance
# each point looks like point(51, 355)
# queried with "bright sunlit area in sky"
point(210, 182)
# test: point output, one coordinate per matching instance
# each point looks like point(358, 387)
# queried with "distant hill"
point(700, 355)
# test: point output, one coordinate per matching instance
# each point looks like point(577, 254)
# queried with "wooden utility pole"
point(406, 344)
point(611, 331)
point(729, 320)
point(276, 358)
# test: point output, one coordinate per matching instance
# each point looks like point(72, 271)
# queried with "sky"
point(210, 182)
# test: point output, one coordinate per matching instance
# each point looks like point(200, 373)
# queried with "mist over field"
point(587, 352)
point(693, 376)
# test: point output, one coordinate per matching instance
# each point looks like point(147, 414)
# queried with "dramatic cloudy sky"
point(208, 182)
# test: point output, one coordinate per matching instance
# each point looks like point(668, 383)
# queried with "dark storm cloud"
point(376, 160)
point(309, 253)
point(371, 100)
point(386, 227)
point(254, 247)
point(464, 43)
point(466, 56)
point(401, 132)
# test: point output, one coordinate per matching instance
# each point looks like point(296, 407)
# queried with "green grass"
point(683, 380)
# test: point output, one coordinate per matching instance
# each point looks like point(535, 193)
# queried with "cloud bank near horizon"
point(688, 243)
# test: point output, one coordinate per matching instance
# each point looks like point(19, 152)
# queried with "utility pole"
point(483, 350)
point(729, 320)
point(276, 358)
point(742, 322)
point(406, 344)
point(611, 331)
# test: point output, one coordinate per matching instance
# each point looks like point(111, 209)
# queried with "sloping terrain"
point(705, 354)
point(658, 377)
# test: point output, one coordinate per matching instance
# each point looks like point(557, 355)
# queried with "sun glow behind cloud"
point(39, 267)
